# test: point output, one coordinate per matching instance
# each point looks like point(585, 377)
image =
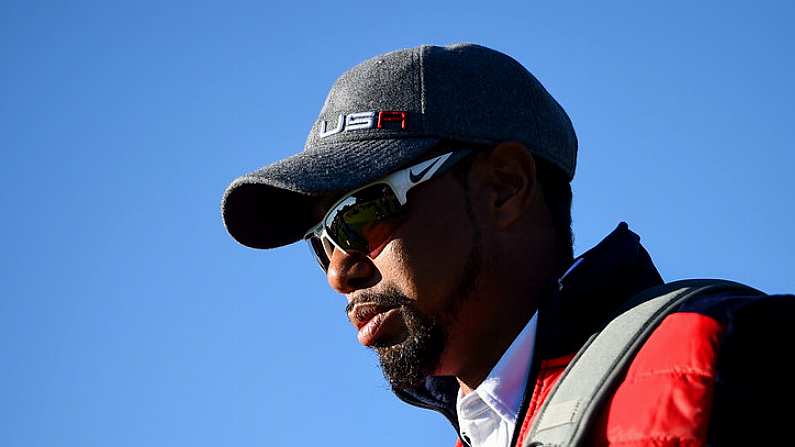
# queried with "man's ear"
point(510, 174)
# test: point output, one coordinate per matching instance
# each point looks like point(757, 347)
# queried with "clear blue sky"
point(130, 318)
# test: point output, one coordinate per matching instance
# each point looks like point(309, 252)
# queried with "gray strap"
point(564, 418)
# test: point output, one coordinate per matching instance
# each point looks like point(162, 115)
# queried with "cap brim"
point(276, 205)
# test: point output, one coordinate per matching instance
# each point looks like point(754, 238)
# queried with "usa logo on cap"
point(364, 120)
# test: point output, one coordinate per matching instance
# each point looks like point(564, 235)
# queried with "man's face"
point(406, 302)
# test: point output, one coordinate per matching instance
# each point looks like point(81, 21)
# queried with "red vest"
point(665, 397)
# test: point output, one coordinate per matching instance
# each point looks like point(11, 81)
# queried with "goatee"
point(407, 362)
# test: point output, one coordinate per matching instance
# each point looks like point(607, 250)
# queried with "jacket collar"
point(591, 294)
point(578, 305)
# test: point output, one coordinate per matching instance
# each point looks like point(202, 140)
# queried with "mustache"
point(388, 298)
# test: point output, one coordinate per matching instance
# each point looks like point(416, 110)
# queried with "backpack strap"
point(565, 416)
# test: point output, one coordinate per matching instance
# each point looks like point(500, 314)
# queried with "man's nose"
point(350, 272)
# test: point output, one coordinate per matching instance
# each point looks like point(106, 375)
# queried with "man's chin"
point(401, 371)
point(406, 364)
point(408, 348)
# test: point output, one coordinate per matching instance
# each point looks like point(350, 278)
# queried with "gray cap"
point(387, 112)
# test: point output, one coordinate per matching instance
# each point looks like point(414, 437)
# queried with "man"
point(434, 192)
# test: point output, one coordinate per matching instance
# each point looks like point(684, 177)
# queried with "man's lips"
point(373, 321)
point(360, 314)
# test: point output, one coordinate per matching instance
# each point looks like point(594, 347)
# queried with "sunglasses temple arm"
point(450, 161)
point(401, 181)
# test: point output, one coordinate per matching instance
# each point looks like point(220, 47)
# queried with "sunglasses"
point(364, 220)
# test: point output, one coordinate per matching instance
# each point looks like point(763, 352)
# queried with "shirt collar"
point(502, 390)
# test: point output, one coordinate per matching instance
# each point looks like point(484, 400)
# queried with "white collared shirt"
point(487, 415)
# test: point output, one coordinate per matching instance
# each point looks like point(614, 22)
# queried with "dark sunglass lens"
point(365, 219)
point(316, 245)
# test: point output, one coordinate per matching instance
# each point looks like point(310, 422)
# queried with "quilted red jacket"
point(714, 373)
